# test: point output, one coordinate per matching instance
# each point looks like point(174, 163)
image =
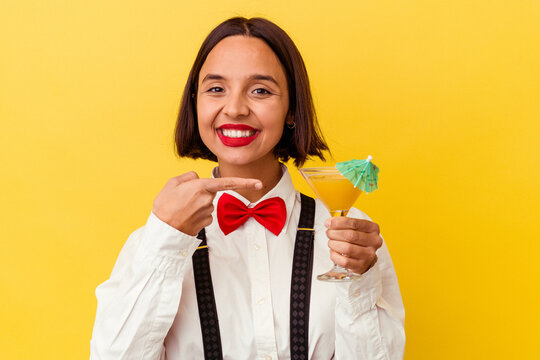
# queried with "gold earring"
point(291, 125)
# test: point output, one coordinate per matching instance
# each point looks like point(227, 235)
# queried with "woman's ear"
point(289, 121)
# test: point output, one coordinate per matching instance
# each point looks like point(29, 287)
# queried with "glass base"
point(337, 273)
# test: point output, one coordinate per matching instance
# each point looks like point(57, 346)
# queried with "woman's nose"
point(236, 106)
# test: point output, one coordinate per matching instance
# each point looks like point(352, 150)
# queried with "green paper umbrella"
point(362, 173)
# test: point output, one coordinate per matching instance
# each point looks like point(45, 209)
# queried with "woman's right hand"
point(185, 202)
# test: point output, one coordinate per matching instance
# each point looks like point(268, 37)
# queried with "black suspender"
point(300, 289)
point(206, 301)
point(301, 281)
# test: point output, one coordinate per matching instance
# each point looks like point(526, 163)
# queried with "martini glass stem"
point(338, 273)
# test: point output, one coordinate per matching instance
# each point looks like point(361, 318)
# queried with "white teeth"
point(237, 133)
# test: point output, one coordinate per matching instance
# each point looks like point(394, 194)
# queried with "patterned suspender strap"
point(301, 280)
point(206, 302)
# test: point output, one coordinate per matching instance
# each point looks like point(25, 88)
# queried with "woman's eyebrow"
point(263, 77)
point(212, 77)
point(252, 77)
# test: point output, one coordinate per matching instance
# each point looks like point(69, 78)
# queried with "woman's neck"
point(269, 172)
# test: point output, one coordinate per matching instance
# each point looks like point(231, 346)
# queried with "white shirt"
point(148, 307)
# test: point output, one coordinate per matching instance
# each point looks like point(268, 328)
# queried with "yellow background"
point(444, 94)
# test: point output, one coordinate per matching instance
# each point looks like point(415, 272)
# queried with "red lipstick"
point(236, 135)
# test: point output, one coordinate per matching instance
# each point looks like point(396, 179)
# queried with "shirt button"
point(257, 246)
point(260, 302)
point(184, 252)
point(268, 357)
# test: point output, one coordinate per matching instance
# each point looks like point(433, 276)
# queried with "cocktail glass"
point(338, 194)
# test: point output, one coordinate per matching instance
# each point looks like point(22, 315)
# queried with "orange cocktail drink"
point(336, 192)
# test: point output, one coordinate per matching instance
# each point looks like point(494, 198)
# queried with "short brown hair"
point(303, 141)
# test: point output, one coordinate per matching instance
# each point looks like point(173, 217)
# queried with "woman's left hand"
point(353, 243)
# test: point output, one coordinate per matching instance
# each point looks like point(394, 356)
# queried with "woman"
point(219, 270)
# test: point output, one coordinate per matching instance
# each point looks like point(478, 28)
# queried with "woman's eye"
point(261, 91)
point(215, 89)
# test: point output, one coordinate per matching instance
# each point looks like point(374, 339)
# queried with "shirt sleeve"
point(369, 311)
point(137, 304)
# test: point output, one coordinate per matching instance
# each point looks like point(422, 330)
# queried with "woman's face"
point(242, 101)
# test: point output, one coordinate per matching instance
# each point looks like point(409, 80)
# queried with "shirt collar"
point(283, 189)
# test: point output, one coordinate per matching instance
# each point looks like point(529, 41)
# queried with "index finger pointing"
point(232, 183)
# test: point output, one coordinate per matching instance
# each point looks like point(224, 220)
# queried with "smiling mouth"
point(236, 135)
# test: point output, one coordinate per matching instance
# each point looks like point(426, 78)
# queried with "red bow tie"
point(232, 213)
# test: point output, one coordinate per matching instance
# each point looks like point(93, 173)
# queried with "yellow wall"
point(444, 94)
